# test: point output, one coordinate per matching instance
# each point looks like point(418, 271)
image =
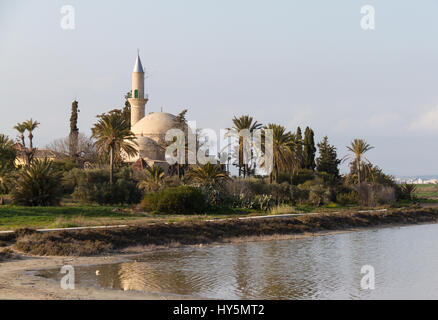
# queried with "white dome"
point(155, 123)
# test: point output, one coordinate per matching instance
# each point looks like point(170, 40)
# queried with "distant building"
point(39, 154)
point(151, 129)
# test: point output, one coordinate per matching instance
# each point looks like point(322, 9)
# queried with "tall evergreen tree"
point(309, 150)
point(74, 131)
point(299, 147)
point(126, 111)
point(328, 158)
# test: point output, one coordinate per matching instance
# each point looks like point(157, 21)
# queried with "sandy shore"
point(17, 279)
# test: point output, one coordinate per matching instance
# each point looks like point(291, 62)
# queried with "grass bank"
point(77, 215)
point(92, 242)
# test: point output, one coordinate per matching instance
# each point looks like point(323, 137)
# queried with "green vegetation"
point(113, 135)
point(426, 191)
point(177, 200)
point(13, 217)
point(95, 186)
point(37, 185)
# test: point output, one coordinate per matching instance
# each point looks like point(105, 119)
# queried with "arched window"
point(135, 93)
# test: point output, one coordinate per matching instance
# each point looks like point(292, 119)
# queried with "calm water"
point(327, 267)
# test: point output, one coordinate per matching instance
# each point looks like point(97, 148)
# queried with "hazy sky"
point(290, 62)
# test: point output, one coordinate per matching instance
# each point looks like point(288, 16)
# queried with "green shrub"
point(263, 202)
point(37, 185)
point(347, 198)
point(93, 186)
point(318, 192)
point(178, 200)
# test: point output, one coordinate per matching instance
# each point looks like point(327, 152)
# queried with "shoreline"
point(18, 279)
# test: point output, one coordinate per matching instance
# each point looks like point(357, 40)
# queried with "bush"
point(93, 186)
point(349, 198)
point(371, 195)
point(318, 193)
point(37, 185)
point(178, 200)
point(302, 176)
point(263, 202)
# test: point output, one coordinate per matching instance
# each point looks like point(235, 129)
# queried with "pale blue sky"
point(289, 62)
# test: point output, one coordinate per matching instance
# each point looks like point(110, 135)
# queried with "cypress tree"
point(299, 140)
point(309, 150)
point(74, 131)
point(328, 159)
point(126, 111)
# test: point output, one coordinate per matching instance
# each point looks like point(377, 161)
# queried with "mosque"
point(151, 129)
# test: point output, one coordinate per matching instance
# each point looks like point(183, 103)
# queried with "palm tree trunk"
point(111, 165)
point(30, 140)
point(358, 170)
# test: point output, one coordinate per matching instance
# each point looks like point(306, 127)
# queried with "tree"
point(283, 151)
point(358, 148)
point(153, 180)
point(242, 123)
point(30, 127)
point(21, 130)
point(126, 111)
point(86, 151)
point(74, 131)
point(209, 174)
point(299, 147)
point(7, 152)
point(328, 159)
point(113, 135)
point(37, 185)
point(7, 161)
point(309, 150)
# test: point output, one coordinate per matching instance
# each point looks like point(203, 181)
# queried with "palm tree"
point(21, 128)
point(408, 190)
point(283, 150)
point(113, 135)
point(7, 153)
point(242, 123)
point(358, 148)
point(37, 185)
point(30, 125)
point(209, 173)
point(153, 180)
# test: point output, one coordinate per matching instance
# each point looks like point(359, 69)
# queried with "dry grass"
point(96, 241)
point(8, 254)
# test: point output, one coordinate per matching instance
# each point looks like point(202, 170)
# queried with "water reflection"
point(327, 267)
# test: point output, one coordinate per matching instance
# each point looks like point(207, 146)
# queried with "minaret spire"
point(138, 98)
point(138, 66)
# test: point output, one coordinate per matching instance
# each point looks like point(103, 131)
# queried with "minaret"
point(138, 99)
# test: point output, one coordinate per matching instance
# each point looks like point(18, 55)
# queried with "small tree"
point(328, 159)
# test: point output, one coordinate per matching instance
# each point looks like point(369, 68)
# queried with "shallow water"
point(405, 260)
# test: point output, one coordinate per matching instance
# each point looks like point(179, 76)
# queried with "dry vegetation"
point(92, 242)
